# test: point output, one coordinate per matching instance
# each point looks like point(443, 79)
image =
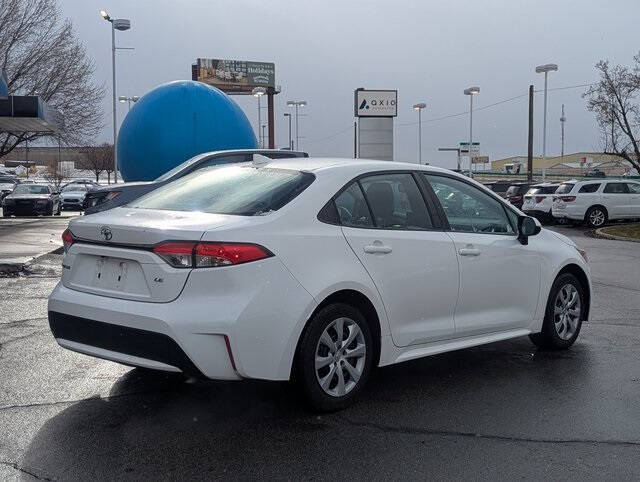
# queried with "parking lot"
point(504, 410)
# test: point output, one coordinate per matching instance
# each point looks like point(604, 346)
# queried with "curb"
point(600, 234)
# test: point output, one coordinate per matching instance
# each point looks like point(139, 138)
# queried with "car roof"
point(317, 164)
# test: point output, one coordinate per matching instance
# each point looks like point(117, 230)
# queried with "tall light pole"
point(128, 99)
point(296, 104)
point(546, 68)
point(116, 24)
point(259, 92)
point(563, 119)
point(471, 91)
point(419, 108)
point(288, 115)
point(263, 128)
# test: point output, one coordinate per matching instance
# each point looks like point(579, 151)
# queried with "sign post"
point(375, 110)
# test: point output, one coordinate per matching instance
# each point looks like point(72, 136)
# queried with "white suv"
point(538, 201)
point(596, 202)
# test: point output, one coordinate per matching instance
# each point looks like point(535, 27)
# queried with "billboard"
point(375, 103)
point(234, 76)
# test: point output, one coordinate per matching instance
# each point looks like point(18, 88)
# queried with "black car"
point(30, 200)
point(515, 193)
point(109, 197)
point(499, 187)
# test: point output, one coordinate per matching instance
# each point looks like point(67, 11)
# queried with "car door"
point(412, 262)
point(499, 277)
point(615, 197)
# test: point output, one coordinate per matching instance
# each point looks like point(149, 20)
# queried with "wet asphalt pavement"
point(501, 411)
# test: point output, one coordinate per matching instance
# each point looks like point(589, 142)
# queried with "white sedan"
point(313, 269)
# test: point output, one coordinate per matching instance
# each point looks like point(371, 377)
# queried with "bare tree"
point(42, 56)
point(56, 173)
point(108, 163)
point(614, 100)
point(98, 159)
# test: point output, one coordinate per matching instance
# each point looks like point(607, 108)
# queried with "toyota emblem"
point(106, 233)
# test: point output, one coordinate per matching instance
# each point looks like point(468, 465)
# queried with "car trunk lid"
point(112, 252)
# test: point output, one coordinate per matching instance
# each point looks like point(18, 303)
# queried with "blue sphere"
point(176, 121)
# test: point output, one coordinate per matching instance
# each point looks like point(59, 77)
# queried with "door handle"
point(469, 252)
point(377, 249)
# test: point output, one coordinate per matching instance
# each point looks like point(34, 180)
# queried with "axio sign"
point(376, 103)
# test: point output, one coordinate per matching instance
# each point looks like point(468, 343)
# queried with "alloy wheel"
point(596, 218)
point(566, 312)
point(340, 357)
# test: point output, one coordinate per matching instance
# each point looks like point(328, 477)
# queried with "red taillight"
point(209, 255)
point(568, 199)
point(539, 199)
point(177, 254)
point(225, 254)
point(67, 239)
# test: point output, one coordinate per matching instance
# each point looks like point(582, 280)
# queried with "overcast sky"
point(428, 50)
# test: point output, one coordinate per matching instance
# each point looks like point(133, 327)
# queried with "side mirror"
point(527, 226)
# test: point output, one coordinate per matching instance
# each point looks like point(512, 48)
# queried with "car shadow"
point(161, 426)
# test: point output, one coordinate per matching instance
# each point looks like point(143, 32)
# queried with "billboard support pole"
point(271, 119)
point(355, 140)
point(530, 138)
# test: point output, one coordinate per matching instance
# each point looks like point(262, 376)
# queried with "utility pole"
point(563, 119)
point(530, 138)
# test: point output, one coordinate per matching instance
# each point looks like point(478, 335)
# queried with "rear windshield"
point(239, 190)
point(565, 188)
point(6, 180)
point(542, 190)
point(516, 190)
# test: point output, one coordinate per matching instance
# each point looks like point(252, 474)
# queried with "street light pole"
point(119, 24)
point(546, 68)
point(419, 108)
point(290, 146)
point(297, 104)
point(471, 91)
point(259, 92)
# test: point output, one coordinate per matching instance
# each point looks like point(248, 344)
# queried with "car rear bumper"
point(224, 327)
point(568, 213)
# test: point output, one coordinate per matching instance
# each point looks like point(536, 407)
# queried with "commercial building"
point(577, 163)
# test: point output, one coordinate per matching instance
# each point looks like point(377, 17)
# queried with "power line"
point(341, 131)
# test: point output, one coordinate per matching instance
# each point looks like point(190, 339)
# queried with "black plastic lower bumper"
point(122, 339)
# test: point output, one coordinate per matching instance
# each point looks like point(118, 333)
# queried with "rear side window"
point(396, 202)
point(589, 188)
point(352, 208)
point(565, 188)
point(634, 188)
point(616, 188)
point(240, 190)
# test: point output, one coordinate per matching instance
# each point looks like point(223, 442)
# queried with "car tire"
point(337, 382)
point(596, 217)
point(563, 315)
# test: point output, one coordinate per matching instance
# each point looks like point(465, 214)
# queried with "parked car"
point(108, 197)
point(538, 201)
point(499, 187)
point(31, 199)
point(313, 269)
point(72, 196)
point(89, 183)
point(595, 203)
point(7, 185)
point(515, 193)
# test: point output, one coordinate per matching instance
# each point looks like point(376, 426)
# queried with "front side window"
point(589, 188)
point(240, 190)
point(468, 209)
point(616, 188)
point(396, 202)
